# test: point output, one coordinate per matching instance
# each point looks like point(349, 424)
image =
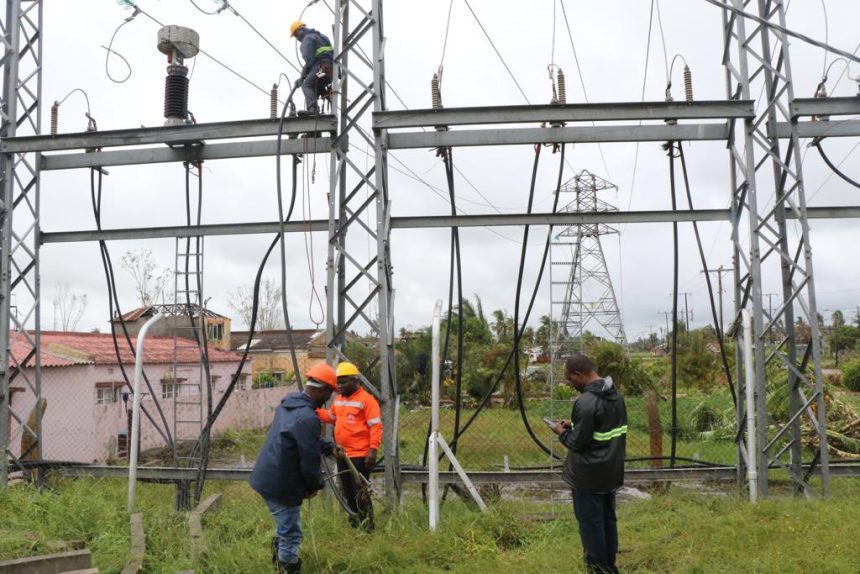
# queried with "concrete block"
point(48, 564)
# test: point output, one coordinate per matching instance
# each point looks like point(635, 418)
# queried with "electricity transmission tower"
point(581, 286)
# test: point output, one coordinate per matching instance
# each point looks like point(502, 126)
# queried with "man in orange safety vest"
point(357, 424)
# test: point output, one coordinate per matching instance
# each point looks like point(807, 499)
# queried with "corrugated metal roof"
point(62, 349)
point(170, 310)
point(273, 340)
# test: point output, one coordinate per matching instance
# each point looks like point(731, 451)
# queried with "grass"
point(682, 531)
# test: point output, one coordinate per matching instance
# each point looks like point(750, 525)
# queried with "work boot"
point(313, 110)
point(290, 567)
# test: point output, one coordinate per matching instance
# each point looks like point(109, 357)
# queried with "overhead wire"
point(582, 81)
point(208, 55)
point(642, 98)
point(496, 50)
point(835, 169)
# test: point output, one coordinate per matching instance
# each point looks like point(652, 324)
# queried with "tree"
point(269, 312)
point(150, 281)
point(837, 319)
point(68, 308)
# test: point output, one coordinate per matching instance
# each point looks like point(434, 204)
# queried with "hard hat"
point(322, 373)
point(347, 370)
point(295, 26)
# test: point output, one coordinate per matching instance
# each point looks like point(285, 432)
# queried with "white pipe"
point(432, 454)
point(749, 372)
point(135, 410)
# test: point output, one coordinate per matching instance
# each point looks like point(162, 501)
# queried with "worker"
point(316, 75)
point(357, 435)
point(595, 438)
point(288, 467)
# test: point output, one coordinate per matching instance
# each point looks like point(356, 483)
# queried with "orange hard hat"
point(295, 26)
point(322, 373)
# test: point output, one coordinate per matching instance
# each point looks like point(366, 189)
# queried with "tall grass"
point(682, 532)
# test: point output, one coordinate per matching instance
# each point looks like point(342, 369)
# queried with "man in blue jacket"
point(596, 440)
point(288, 468)
point(317, 53)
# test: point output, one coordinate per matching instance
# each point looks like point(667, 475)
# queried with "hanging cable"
point(445, 43)
point(110, 49)
point(674, 435)
point(115, 311)
point(281, 235)
point(517, 333)
point(816, 143)
point(720, 336)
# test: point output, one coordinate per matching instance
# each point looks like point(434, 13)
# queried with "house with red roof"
point(88, 401)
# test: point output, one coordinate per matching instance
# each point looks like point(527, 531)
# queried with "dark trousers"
point(357, 495)
point(598, 529)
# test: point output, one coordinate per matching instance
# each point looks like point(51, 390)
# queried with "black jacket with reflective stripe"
point(597, 439)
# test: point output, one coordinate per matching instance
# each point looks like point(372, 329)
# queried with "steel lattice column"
point(359, 209)
point(19, 221)
point(774, 246)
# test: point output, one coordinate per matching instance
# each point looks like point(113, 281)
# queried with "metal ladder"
point(189, 416)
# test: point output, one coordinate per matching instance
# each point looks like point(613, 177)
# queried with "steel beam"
point(658, 111)
point(825, 107)
point(175, 135)
point(520, 136)
point(820, 129)
point(412, 222)
point(190, 153)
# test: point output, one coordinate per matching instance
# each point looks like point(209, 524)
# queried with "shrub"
point(851, 375)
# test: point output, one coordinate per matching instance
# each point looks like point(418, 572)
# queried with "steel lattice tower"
point(582, 290)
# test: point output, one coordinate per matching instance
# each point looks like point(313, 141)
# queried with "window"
point(169, 390)
point(278, 377)
point(216, 331)
point(242, 382)
point(107, 393)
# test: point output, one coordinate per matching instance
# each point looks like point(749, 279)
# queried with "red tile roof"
point(62, 349)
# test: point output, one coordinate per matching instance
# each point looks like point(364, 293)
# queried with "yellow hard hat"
point(295, 26)
point(347, 370)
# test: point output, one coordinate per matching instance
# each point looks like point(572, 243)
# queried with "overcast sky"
point(610, 39)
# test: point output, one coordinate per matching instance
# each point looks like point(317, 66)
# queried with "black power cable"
point(113, 305)
point(714, 315)
point(671, 153)
point(517, 327)
point(517, 332)
point(817, 144)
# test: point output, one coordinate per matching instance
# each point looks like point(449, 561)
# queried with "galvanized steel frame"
point(19, 219)
point(353, 286)
point(754, 145)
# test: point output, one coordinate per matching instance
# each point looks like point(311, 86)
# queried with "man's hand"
point(557, 427)
point(297, 84)
point(370, 459)
point(338, 452)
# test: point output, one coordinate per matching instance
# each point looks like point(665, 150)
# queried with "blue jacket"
point(288, 466)
point(315, 46)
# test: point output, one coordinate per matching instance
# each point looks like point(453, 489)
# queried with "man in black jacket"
point(288, 467)
point(595, 438)
point(317, 52)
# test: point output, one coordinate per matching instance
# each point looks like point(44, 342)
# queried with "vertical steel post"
point(19, 254)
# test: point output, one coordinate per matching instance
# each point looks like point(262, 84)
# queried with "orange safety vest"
point(357, 422)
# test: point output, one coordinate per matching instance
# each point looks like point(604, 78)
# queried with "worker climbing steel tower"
point(315, 78)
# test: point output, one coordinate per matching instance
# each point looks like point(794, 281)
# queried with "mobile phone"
point(549, 422)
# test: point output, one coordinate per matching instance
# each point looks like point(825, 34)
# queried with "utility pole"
point(719, 271)
point(686, 310)
point(666, 314)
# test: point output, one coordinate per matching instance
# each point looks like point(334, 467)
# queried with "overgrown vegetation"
point(679, 532)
